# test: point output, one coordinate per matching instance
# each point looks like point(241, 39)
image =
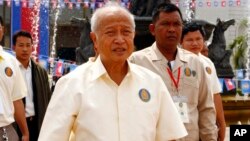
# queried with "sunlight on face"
point(114, 39)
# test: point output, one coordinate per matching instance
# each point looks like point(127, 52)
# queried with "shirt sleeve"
point(215, 81)
point(170, 125)
point(61, 112)
point(207, 115)
point(20, 89)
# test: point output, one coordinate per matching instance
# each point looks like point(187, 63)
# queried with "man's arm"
point(20, 119)
point(206, 108)
point(220, 119)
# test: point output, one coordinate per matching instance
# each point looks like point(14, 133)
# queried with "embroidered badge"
point(193, 73)
point(8, 71)
point(187, 71)
point(208, 69)
point(144, 95)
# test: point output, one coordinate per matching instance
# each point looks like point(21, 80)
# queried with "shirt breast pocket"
point(190, 82)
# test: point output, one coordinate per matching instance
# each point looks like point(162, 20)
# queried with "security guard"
point(182, 72)
point(193, 41)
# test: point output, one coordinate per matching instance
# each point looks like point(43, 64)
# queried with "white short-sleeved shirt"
point(211, 71)
point(193, 86)
point(12, 87)
point(95, 108)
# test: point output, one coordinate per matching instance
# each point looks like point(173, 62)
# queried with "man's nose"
point(119, 38)
point(25, 48)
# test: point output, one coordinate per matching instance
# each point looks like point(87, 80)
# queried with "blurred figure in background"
point(37, 83)
point(193, 40)
point(12, 90)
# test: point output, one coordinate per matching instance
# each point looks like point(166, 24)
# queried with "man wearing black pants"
point(36, 81)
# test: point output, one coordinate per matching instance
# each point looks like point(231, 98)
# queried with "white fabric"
point(193, 84)
point(89, 103)
point(29, 104)
point(12, 87)
point(215, 83)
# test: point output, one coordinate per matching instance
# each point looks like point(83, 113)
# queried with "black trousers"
point(33, 129)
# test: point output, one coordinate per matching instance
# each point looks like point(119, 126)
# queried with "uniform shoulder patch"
point(8, 71)
point(208, 70)
point(187, 71)
point(144, 95)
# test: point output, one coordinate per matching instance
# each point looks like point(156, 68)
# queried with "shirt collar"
point(21, 65)
point(157, 54)
point(99, 70)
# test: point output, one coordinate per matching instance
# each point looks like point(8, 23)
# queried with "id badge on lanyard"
point(181, 105)
point(180, 101)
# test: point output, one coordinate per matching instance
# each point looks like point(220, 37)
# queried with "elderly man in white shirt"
point(111, 99)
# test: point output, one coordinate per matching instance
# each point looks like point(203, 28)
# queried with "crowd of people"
point(168, 91)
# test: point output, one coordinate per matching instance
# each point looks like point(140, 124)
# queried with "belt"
point(30, 118)
point(4, 127)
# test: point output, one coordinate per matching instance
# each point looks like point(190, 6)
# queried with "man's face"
point(23, 48)
point(1, 32)
point(114, 38)
point(193, 41)
point(167, 30)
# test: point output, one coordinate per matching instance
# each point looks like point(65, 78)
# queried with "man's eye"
point(110, 33)
point(165, 23)
point(177, 24)
point(127, 32)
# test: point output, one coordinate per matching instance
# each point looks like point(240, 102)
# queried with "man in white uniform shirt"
point(12, 90)
point(111, 99)
point(193, 40)
point(182, 72)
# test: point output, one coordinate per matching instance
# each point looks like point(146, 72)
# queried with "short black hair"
point(166, 7)
point(1, 20)
point(191, 27)
point(21, 33)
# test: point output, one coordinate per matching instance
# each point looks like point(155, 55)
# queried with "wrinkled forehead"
point(111, 18)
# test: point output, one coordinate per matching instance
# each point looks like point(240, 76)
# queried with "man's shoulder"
point(10, 59)
point(143, 51)
point(188, 56)
point(206, 60)
point(142, 71)
point(38, 66)
point(140, 54)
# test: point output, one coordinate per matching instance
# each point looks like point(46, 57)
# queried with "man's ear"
point(152, 29)
point(93, 37)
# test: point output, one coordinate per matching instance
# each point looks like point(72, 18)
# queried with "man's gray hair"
point(109, 7)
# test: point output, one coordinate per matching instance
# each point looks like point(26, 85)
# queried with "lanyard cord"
point(176, 82)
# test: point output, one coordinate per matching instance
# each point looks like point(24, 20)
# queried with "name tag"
point(181, 105)
point(183, 111)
